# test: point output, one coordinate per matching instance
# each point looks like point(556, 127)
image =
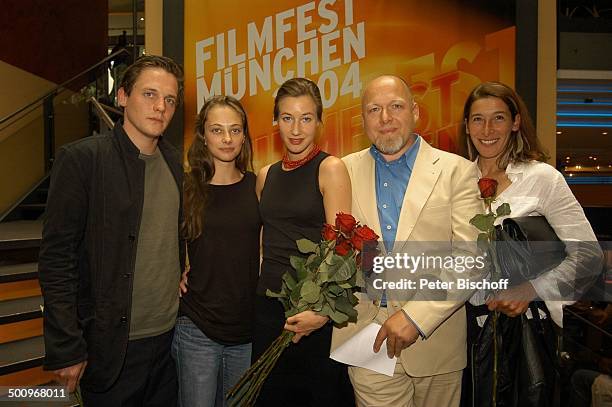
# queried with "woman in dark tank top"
point(214, 331)
point(297, 195)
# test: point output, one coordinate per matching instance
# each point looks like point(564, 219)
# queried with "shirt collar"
point(515, 168)
point(512, 168)
point(408, 158)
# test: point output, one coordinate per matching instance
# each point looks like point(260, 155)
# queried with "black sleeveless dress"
point(291, 208)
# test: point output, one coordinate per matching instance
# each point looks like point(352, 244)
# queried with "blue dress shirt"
point(391, 182)
point(392, 179)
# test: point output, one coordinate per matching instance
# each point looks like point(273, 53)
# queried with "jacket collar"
point(424, 176)
point(125, 144)
point(426, 171)
point(129, 150)
point(128, 147)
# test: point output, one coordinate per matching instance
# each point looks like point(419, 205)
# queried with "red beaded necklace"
point(290, 165)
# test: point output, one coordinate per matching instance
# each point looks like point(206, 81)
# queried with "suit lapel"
point(422, 181)
point(364, 191)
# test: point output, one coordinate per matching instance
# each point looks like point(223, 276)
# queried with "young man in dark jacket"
point(110, 259)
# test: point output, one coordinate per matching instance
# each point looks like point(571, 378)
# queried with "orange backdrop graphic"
point(247, 49)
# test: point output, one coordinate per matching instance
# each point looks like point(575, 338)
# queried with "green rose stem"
point(259, 370)
point(495, 315)
point(286, 339)
point(486, 224)
point(491, 236)
point(495, 357)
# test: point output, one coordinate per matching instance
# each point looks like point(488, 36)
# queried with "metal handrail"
point(105, 117)
point(589, 323)
point(111, 109)
point(58, 88)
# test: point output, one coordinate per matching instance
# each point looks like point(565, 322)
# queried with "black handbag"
point(526, 247)
point(528, 365)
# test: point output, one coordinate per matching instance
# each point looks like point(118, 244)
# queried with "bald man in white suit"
point(436, 194)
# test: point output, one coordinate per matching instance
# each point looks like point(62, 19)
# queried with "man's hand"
point(513, 301)
point(304, 323)
point(71, 375)
point(183, 283)
point(400, 333)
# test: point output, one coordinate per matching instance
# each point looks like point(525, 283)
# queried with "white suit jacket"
point(441, 197)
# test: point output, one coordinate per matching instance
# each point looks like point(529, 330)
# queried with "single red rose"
point(488, 187)
point(362, 233)
point(343, 246)
point(329, 232)
point(345, 222)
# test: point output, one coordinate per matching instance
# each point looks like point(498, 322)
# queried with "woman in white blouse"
point(502, 141)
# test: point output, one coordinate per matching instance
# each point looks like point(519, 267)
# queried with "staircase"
point(22, 347)
point(21, 342)
point(21, 328)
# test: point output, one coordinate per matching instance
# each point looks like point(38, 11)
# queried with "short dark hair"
point(522, 145)
point(299, 87)
point(149, 62)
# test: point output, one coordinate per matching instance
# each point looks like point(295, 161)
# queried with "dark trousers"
point(148, 377)
point(582, 381)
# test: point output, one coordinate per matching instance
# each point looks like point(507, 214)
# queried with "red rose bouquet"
point(326, 282)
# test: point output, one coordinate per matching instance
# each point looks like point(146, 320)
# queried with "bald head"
point(387, 80)
point(389, 115)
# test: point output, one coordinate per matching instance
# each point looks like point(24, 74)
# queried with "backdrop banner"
point(442, 48)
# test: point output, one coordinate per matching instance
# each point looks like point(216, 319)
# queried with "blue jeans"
point(206, 369)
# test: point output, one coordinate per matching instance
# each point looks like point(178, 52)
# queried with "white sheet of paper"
point(357, 351)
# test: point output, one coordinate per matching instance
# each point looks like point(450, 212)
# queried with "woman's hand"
point(183, 283)
point(513, 301)
point(304, 323)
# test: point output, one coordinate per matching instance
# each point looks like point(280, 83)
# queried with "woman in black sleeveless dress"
point(297, 195)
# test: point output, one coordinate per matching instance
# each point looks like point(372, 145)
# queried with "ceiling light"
point(605, 133)
point(567, 158)
point(590, 157)
point(598, 167)
point(141, 18)
point(571, 175)
point(559, 132)
point(594, 158)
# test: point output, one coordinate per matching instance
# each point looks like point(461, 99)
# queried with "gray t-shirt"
point(157, 273)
